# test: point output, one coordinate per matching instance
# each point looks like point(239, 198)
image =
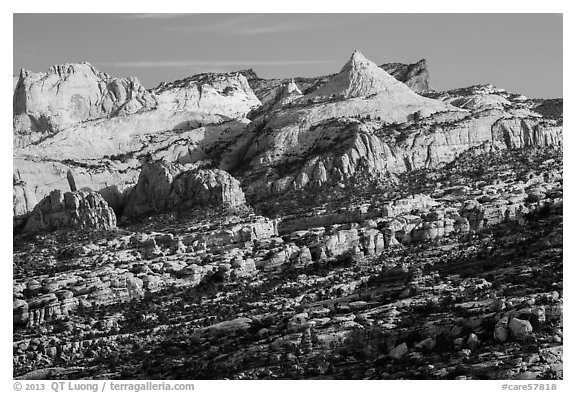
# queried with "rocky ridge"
point(414, 76)
point(286, 135)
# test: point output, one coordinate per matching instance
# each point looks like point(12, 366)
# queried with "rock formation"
point(415, 76)
point(361, 78)
point(224, 94)
point(360, 122)
point(164, 186)
point(71, 210)
point(72, 93)
point(180, 121)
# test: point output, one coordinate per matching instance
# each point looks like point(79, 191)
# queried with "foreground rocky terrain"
point(357, 225)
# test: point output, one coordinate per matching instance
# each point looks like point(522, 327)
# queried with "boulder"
point(501, 330)
point(519, 328)
point(399, 351)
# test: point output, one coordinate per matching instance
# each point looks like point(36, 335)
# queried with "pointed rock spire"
point(359, 78)
point(357, 60)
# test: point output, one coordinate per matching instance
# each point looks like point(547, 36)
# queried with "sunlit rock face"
point(224, 94)
point(71, 93)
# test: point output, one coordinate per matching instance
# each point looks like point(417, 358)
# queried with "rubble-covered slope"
point(459, 268)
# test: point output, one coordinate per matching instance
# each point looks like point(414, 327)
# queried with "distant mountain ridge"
point(271, 135)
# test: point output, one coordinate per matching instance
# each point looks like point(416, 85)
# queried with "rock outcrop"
point(360, 90)
point(217, 94)
point(72, 93)
point(191, 122)
point(415, 76)
point(71, 210)
point(342, 130)
point(287, 94)
point(164, 186)
point(361, 78)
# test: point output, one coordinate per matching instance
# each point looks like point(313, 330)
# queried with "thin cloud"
point(259, 24)
point(150, 16)
point(227, 26)
point(289, 26)
point(209, 63)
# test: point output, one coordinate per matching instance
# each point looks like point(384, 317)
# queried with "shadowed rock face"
point(415, 76)
point(163, 186)
point(79, 209)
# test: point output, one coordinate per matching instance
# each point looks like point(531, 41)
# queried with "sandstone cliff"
point(347, 127)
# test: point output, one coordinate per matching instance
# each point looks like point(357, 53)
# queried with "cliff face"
point(77, 118)
point(339, 150)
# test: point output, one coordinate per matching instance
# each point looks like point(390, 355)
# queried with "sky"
point(521, 53)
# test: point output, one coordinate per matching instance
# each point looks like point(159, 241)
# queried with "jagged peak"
point(357, 61)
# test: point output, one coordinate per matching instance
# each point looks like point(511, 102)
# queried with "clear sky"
point(519, 52)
